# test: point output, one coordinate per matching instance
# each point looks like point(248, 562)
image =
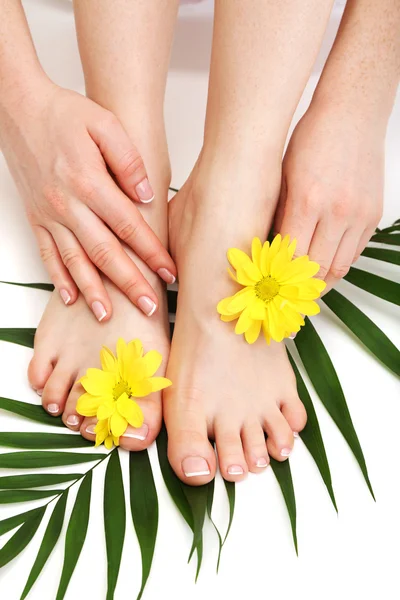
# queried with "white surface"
point(354, 555)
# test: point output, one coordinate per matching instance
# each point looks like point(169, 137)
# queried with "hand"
point(332, 189)
point(59, 146)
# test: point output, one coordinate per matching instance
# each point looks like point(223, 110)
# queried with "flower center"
point(120, 388)
point(267, 288)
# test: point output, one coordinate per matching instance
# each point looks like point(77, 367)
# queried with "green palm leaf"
point(311, 434)
point(11, 496)
point(39, 460)
point(379, 286)
point(197, 499)
point(392, 228)
point(386, 238)
point(34, 412)
point(49, 541)
point(76, 533)
point(15, 482)
point(327, 385)
point(13, 522)
point(114, 520)
point(23, 337)
point(48, 287)
point(210, 500)
point(365, 329)
point(46, 441)
point(283, 475)
point(144, 509)
point(21, 537)
point(390, 256)
point(231, 492)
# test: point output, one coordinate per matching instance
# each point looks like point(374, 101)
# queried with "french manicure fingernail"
point(194, 466)
point(235, 470)
point(53, 408)
point(262, 462)
point(99, 310)
point(295, 434)
point(286, 452)
point(147, 305)
point(39, 392)
point(144, 191)
point(139, 433)
point(166, 275)
point(91, 429)
point(66, 298)
point(73, 420)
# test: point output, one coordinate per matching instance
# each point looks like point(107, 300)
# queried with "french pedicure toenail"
point(262, 463)
point(147, 305)
point(166, 275)
point(91, 429)
point(137, 434)
point(295, 434)
point(235, 470)
point(66, 298)
point(194, 466)
point(286, 452)
point(39, 392)
point(73, 420)
point(144, 191)
point(99, 310)
point(53, 408)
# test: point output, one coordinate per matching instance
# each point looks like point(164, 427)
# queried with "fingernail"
point(66, 298)
point(147, 305)
point(91, 429)
point(262, 462)
point(193, 466)
point(139, 433)
point(144, 191)
point(166, 275)
point(40, 392)
point(99, 310)
point(73, 420)
point(53, 408)
point(286, 452)
point(235, 470)
point(295, 434)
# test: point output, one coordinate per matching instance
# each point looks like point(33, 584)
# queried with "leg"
point(224, 388)
point(125, 50)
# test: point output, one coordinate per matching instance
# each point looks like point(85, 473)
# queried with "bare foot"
point(68, 341)
point(223, 388)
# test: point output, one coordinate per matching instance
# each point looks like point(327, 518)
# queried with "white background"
point(353, 555)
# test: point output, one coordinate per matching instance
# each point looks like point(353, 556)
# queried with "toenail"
point(39, 392)
point(286, 452)
point(66, 298)
point(295, 434)
point(147, 305)
point(52, 408)
point(73, 420)
point(99, 310)
point(193, 466)
point(291, 337)
point(166, 275)
point(139, 433)
point(235, 470)
point(262, 462)
point(91, 429)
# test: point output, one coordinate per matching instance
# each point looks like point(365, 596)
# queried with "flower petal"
point(241, 299)
point(136, 348)
point(108, 360)
point(244, 322)
point(130, 410)
point(276, 326)
point(108, 442)
point(98, 382)
point(159, 383)
point(222, 306)
point(266, 331)
point(140, 389)
point(238, 258)
point(251, 335)
point(106, 408)
point(299, 270)
point(118, 424)
point(87, 405)
point(256, 247)
point(292, 248)
point(311, 289)
point(273, 251)
point(151, 362)
point(264, 258)
point(258, 310)
point(243, 278)
point(229, 318)
point(101, 431)
point(291, 292)
point(306, 307)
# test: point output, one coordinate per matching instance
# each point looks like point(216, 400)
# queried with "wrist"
point(23, 91)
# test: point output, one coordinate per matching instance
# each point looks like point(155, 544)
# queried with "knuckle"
point(126, 229)
point(323, 270)
point(129, 287)
point(55, 200)
point(341, 209)
point(70, 257)
point(102, 255)
point(131, 163)
point(339, 271)
point(312, 201)
point(47, 254)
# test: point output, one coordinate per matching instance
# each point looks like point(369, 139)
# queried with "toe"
point(280, 435)
point(231, 458)
point(295, 414)
point(56, 390)
point(255, 447)
point(190, 453)
point(70, 417)
point(141, 438)
point(87, 428)
point(39, 370)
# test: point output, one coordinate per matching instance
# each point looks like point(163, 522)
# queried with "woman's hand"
point(61, 148)
point(332, 188)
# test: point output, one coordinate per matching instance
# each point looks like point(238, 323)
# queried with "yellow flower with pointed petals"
point(110, 390)
point(278, 290)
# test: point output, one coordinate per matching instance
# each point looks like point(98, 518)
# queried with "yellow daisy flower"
point(110, 390)
point(277, 291)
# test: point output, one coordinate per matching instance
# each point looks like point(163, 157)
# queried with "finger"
point(324, 245)
point(115, 209)
point(58, 273)
point(299, 226)
point(105, 251)
point(83, 272)
point(343, 258)
point(122, 157)
point(362, 244)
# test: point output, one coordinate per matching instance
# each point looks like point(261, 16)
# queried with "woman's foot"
point(68, 341)
point(223, 388)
